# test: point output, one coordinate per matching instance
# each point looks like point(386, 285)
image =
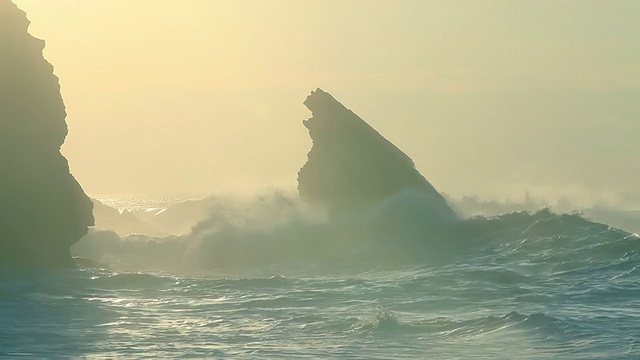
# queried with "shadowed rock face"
point(43, 209)
point(351, 165)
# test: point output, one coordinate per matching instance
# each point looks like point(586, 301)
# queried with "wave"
point(537, 323)
point(384, 322)
point(278, 229)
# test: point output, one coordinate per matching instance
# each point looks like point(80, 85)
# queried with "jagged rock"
point(351, 165)
point(122, 223)
point(43, 209)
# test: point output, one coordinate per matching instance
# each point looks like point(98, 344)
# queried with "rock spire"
point(351, 165)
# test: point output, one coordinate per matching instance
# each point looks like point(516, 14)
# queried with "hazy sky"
point(487, 97)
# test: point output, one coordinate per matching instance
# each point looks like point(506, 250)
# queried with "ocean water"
point(516, 286)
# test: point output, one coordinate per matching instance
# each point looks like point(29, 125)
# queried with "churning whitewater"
point(366, 259)
point(517, 286)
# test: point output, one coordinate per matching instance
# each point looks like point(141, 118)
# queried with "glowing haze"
point(487, 97)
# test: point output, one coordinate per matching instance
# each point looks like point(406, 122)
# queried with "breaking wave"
point(277, 229)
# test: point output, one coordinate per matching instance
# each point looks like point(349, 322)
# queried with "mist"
point(501, 99)
point(465, 187)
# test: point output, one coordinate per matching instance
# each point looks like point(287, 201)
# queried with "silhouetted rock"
point(123, 223)
point(43, 209)
point(352, 166)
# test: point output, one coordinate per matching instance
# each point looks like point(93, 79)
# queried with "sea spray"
point(277, 229)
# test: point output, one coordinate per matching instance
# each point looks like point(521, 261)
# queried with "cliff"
point(351, 165)
point(43, 209)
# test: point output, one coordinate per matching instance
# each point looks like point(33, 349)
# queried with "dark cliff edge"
point(43, 209)
point(351, 166)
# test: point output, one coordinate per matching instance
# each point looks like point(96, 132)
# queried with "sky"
point(489, 98)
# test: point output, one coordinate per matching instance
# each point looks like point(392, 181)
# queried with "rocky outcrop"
point(121, 222)
point(351, 165)
point(43, 209)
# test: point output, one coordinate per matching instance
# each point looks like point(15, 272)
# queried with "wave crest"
point(278, 229)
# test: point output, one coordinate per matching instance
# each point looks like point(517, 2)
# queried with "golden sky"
point(487, 97)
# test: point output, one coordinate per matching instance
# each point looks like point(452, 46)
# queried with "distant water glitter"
point(543, 296)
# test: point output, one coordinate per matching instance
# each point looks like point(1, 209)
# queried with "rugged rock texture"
point(43, 209)
point(351, 165)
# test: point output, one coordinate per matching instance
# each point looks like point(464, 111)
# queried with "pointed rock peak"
point(320, 102)
point(351, 165)
point(319, 97)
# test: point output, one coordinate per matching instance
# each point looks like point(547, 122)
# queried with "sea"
point(267, 279)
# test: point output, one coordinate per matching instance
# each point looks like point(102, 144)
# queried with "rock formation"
point(122, 223)
point(351, 165)
point(43, 209)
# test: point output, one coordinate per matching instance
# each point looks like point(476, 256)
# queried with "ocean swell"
point(277, 229)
